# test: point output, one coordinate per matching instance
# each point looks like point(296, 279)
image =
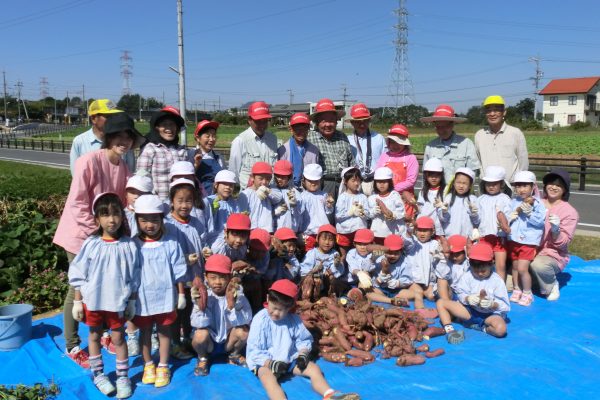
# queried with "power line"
point(18, 21)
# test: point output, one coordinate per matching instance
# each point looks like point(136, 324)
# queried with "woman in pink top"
point(404, 166)
point(561, 221)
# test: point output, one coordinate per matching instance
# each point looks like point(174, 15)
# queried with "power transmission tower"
point(126, 71)
point(44, 92)
point(401, 87)
point(536, 83)
point(291, 96)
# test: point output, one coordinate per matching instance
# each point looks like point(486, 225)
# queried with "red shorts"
point(102, 318)
point(345, 239)
point(163, 319)
point(518, 251)
point(496, 242)
point(310, 242)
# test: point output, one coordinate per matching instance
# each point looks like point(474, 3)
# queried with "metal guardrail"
point(46, 129)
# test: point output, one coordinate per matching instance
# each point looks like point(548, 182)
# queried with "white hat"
point(181, 181)
point(148, 204)
point(399, 139)
point(98, 196)
point(383, 174)
point(348, 169)
point(181, 168)
point(313, 172)
point(466, 171)
point(433, 165)
point(524, 177)
point(494, 173)
point(142, 183)
point(225, 176)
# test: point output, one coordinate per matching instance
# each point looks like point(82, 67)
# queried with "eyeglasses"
point(494, 110)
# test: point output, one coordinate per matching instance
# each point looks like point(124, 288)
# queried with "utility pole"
point(19, 85)
point(195, 113)
point(182, 134)
point(536, 83)
point(344, 96)
point(4, 79)
point(291, 96)
point(84, 102)
point(140, 107)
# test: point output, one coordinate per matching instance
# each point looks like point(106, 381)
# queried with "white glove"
point(77, 310)
point(554, 223)
point(206, 252)
point(393, 284)
point(441, 205)
point(473, 208)
point(526, 208)
point(473, 300)
point(354, 211)
point(194, 293)
point(438, 254)
point(364, 280)
point(475, 235)
point(383, 278)
point(329, 201)
point(281, 209)
point(513, 215)
point(263, 192)
point(130, 310)
point(487, 302)
point(181, 303)
point(291, 194)
point(376, 210)
point(361, 210)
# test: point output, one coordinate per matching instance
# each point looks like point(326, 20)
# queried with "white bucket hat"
point(143, 183)
point(524, 177)
point(494, 173)
point(181, 181)
point(148, 204)
point(225, 176)
point(313, 172)
point(98, 197)
point(433, 165)
point(465, 171)
point(383, 174)
point(181, 168)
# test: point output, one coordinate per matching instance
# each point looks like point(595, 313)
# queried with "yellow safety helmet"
point(495, 99)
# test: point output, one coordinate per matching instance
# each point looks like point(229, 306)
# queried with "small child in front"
point(317, 205)
point(137, 185)
point(279, 344)
point(223, 326)
point(258, 198)
point(482, 298)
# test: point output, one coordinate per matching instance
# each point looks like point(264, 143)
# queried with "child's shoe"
point(149, 376)
point(80, 357)
point(526, 299)
point(163, 377)
point(123, 387)
point(516, 295)
point(342, 396)
point(103, 384)
point(237, 359)
point(180, 352)
point(106, 342)
point(201, 367)
point(455, 337)
point(133, 344)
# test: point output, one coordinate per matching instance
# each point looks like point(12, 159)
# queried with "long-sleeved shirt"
point(219, 212)
point(345, 223)
point(408, 162)
point(356, 262)
point(527, 229)
point(557, 247)
point(488, 213)
point(106, 273)
point(278, 269)
point(314, 211)
point(247, 149)
point(493, 286)
point(506, 148)
point(458, 151)
point(94, 174)
point(315, 256)
point(276, 340)
point(218, 319)
point(400, 274)
point(131, 221)
point(458, 271)
point(427, 208)
point(220, 246)
point(381, 226)
point(458, 220)
point(156, 161)
point(336, 153)
point(192, 239)
point(86, 143)
point(419, 257)
point(290, 218)
point(359, 145)
point(261, 211)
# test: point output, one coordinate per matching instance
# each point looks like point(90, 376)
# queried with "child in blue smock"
point(258, 258)
point(222, 327)
point(287, 212)
point(106, 275)
point(458, 212)
point(317, 205)
point(220, 205)
point(458, 263)
point(279, 344)
point(163, 267)
point(185, 170)
point(258, 199)
point(386, 208)
point(233, 241)
point(432, 192)
point(283, 262)
point(351, 209)
point(482, 298)
point(358, 259)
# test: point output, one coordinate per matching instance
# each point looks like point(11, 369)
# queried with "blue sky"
point(236, 51)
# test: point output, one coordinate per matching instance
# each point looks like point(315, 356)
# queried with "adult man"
point(333, 144)
point(499, 143)
point(454, 150)
point(254, 144)
point(91, 139)
point(367, 146)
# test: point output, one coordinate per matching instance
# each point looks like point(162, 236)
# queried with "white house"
point(573, 99)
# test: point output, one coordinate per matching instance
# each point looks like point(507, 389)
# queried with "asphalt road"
point(587, 203)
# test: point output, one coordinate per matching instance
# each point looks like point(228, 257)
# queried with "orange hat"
point(260, 239)
point(326, 105)
point(261, 167)
point(364, 236)
point(457, 243)
point(238, 222)
point(393, 242)
point(259, 110)
point(481, 252)
point(443, 112)
point(425, 223)
point(218, 263)
point(299, 118)
point(283, 167)
point(285, 234)
point(202, 125)
point(327, 228)
point(359, 111)
point(285, 287)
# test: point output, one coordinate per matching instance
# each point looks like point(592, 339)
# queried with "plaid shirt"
point(156, 161)
point(336, 152)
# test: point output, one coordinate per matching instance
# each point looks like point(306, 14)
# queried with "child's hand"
point(181, 303)
point(302, 361)
point(278, 368)
point(475, 235)
point(231, 292)
point(206, 252)
point(554, 223)
point(383, 278)
point(513, 215)
point(376, 210)
point(526, 208)
point(263, 192)
point(130, 310)
point(354, 211)
point(364, 280)
point(384, 210)
point(329, 201)
point(193, 258)
point(281, 209)
point(472, 208)
point(473, 300)
point(197, 160)
point(440, 205)
point(438, 254)
point(77, 310)
point(291, 194)
point(486, 302)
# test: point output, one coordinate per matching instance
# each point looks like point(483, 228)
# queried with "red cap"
point(261, 167)
point(205, 125)
point(364, 236)
point(393, 242)
point(457, 243)
point(218, 263)
point(327, 228)
point(443, 112)
point(238, 222)
point(481, 252)
point(283, 167)
point(285, 234)
point(326, 105)
point(172, 110)
point(398, 129)
point(424, 223)
point(360, 111)
point(286, 287)
point(260, 239)
point(259, 110)
point(299, 118)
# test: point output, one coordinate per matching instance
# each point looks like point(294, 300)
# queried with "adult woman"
point(162, 149)
point(561, 221)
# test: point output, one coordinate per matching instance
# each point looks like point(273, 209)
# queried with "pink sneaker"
point(106, 342)
point(80, 357)
point(516, 295)
point(526, 299)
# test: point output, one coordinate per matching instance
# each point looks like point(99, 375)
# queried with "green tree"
point(522, 111)
point(130, 103)
point(475, 115)
point(151, 103)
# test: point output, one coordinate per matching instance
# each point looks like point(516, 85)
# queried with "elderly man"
point(454, 150)
point(91, 139)
point(499, 143)
point(254, 144)
point(336, 153)
point(367, 146)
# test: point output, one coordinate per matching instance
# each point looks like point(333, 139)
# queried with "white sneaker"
point(554, 293)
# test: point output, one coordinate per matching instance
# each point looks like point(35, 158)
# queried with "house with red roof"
point(569, 100)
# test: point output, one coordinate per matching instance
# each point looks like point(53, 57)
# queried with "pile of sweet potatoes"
point(348, 333)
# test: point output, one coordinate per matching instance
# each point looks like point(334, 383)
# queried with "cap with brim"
point(457, 243)
point(481, 252)
point(425, 223)
point(285, 234)
point(494, 173)
point(225, 176)
point(283, 167)
point(260, 168)
point(393, 243)
point(142, 183)
point(181, 181)
point(285, 287)
point(561, 174)
point(180, 168)
point(313, 172)
point(167, 112)
point(149, 204)
point(299, 118)
point(399, 134)
point(465, 171)
point(364, 236)
point(403, 140)
point(524, 177)
point(102, 106)
point(238, 222)
point(260, 239)
point(433, 165)
point(327, 228)
point(383, 174)
point(347, 169)
point(359, 112)
point(122, 122)
point(204, 125)
point(324, 106)
point(259, 110)
point(218, 263)
point(443, 112)
point(98, 197)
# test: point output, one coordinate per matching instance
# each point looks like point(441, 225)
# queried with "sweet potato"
point(334, 357)
point(422, 348)
point(368, 342)
point(354, 362)
point(355, 294)
point(364, 355)
point(327, 341)
point(355, 342)
point(503, 222)
point(307, 287)
point(434, 353)
point(412, 332)
point(341, 339)
point(406, 360)
point(433, 331)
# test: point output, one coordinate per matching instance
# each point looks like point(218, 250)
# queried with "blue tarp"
point(552, 351)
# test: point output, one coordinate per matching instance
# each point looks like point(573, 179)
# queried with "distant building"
point(567, 101)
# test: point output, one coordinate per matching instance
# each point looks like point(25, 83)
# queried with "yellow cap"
point(495, 99)
point(102, 106)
